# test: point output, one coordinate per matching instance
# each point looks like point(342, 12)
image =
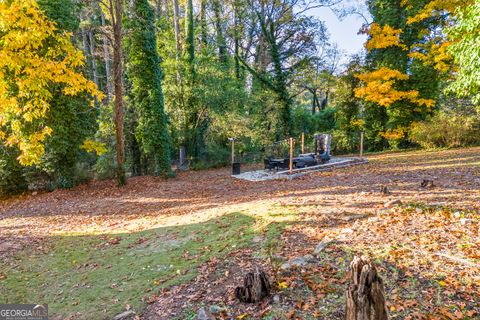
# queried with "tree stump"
point(384, 191)
point(255, 287)
point(427, 183)
point(365, 294)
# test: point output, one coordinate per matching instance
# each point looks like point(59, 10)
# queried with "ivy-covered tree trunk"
point(194, 125)
point(190, 36)
point(221, 42)
point(176, 28)
point(203, 22)
point(236, 38)
point(280, 85)
point(144, 69)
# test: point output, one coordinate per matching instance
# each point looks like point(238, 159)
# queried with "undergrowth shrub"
point(447, 129)
point(11, 172)
point(344, 142)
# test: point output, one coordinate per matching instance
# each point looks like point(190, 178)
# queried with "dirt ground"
point(101, 206)
point(320, 199)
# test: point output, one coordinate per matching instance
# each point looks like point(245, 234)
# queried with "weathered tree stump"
point(427, 183)
point(256, 286)
point(365, 294)
point(384, 191)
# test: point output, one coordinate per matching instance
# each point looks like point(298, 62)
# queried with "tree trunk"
point(91, 39)
point(315, 103)
point(116, 13)
point(158, 9)
point(365, 294)
point(176, 26)
point(132, 143)
point(221, 43)
point(324, 101)
point(236, 36)
point(279, 80)
point(166, 8)
point(203, 22)
point(86, 51)
point(189, 32)
point(106, 52)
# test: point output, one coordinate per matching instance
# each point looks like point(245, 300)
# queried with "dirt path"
point(147, 202)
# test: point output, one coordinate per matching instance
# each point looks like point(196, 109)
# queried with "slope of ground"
point(176, 245)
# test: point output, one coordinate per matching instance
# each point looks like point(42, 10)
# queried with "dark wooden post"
point(183, 158)
point(365, 294)
point(291, 156)
point(361, 144)
point(303, 142)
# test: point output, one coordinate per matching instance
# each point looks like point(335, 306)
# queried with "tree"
point(115, 8)
point(220, 37)
point(146, 76)
point(317, 78)
point(398, 77)
point(190, 36)
point(33, 57)
point(465, 50)
point(285, 38)
point(71, 118)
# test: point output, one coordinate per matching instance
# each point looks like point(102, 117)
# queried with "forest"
point(230, 159)
point(106, 89)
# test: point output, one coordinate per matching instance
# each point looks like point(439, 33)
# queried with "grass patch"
point(99, 275)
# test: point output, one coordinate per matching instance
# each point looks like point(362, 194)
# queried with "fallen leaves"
point(422, 242)
point(115, 240)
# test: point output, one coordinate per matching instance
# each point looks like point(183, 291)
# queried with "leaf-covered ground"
point(166, 248)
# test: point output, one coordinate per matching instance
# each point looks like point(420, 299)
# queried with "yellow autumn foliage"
point(436, 7)
point(94, 146)
point(435, 54)
point(379, 88)
point(33, 57)
point(357, 123)
point(383, 37)
point(394, 134)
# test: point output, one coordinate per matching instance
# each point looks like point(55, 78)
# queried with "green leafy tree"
point(71, 118)
point(466, 52)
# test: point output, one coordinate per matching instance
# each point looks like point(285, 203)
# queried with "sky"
point(343, 32)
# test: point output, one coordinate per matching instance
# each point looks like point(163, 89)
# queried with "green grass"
point(88, 276)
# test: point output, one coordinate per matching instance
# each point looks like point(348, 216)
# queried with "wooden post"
point(233, 151)
point(361, 144)
point(291, 156)
point(183, 158)
point(303, 142)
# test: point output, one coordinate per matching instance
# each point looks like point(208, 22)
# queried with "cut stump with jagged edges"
point(384, 191)
point(256, 286)
point(427, 183)
point(365, 294)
